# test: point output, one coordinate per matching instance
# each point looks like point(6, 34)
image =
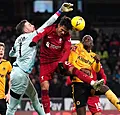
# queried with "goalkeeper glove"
point(61, 68)
point(32, 44)
point(66, 7)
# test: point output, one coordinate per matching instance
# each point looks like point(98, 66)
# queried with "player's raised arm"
point(66, 7)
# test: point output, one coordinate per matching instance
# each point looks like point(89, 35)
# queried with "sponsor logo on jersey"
point(52, 46)
point(60, 40)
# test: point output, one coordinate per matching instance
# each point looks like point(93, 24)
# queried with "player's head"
point(24, 27)
point(64, 26)
point(2, 50)
point(87, 41)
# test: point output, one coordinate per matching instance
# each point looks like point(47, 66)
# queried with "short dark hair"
point(66, 21)
point(20, 26)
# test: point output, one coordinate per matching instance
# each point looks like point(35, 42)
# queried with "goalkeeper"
point(25, 58)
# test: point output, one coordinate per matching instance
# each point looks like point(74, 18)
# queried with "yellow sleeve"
point(96, 66)
point(9, 69)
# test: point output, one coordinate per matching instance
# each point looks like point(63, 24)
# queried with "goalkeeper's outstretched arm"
point(66, 7)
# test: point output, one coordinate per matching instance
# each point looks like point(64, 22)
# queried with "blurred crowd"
point(107, 45)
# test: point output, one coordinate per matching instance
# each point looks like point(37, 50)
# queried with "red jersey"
point(53, 48)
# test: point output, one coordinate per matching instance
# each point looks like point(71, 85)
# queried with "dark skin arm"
point(97, 58)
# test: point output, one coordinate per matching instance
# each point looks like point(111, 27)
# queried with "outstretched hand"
point(66, 7)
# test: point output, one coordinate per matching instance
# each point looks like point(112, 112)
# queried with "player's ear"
point(25, 30)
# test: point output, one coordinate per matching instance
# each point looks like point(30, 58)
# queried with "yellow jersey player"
point(5, 69)
point(83, 59)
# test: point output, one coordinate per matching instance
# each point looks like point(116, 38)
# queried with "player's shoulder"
point(5, 61)
point(79, 45)
point(25, 35)
point(92, 53)
point(22, 36)
point(76, 46)
point(52, 27)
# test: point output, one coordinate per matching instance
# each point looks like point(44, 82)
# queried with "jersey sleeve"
point(49, 22)
point(102, 74)
point(12, 52)
point(9, 69)
point(41, 34)
point(96, 66)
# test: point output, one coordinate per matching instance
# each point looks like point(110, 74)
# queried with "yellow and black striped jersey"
point(80, 58)
point(5, 69)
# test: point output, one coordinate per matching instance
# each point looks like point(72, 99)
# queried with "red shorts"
point(94, 104)
point(47, 70)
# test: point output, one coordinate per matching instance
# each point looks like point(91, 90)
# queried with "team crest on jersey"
point(1, 75)
point(42, 77)
point(78, 102)
point(3, 68)
point(73, 48)
point(49, 37)
point(60, 40)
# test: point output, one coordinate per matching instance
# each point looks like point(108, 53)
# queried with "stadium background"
point(102, 23)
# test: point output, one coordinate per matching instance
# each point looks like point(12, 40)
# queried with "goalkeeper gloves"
point(66, 7)
point(61, 68)
point(32, 44)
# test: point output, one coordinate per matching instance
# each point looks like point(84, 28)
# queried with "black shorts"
point(81, 91)
point(3, 106)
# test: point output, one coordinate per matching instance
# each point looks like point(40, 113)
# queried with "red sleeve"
point(41, 34)
point(102, 74)
point(68, 81)
point(94, 75)
point(66, 50)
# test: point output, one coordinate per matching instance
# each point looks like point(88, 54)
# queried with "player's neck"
point(0, 60)
point(87, 48)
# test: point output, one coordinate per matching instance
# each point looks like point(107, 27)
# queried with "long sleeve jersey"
point(80, 58)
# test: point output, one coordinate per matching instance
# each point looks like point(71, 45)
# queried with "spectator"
point(55, 87)
point(103, 53)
